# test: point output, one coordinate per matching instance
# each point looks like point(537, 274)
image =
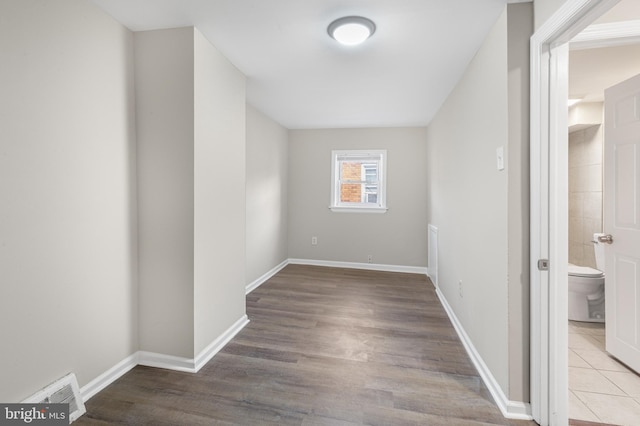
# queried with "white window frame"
point(379, 155)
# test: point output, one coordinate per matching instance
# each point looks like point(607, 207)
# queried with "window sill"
point(337, 209)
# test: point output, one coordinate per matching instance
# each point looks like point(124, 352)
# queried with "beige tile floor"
point(600, 388)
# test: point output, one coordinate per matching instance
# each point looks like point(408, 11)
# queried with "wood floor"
point(325, 346)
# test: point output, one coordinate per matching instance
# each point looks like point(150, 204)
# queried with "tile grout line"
point(586, 406)
point(595, 338)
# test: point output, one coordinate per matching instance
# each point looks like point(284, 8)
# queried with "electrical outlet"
point(460, 287)
point(314, 241)
point(370, 258)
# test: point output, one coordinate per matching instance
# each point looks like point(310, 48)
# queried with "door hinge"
point(543, 264)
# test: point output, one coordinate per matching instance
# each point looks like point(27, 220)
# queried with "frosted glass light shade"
point(351, 30)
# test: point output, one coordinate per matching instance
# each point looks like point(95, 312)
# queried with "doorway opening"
point(549, 206)
point(601, 388)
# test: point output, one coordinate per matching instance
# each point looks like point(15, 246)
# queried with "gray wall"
point(544, 9)
point(468, 200)
point(481, 212)
point(69, 224)
point(267, 180)
point(219, 189)
point(164, 112)
point(67, 190)
point(190, 105)
point(585, 189)
point(398, 237)
point(519, 31)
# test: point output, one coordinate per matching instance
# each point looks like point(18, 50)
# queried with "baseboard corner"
point(108, 377)
point(214, 347)
point(168, 362)
point(264, 277)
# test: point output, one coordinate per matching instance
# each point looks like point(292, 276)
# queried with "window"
point(358, 181)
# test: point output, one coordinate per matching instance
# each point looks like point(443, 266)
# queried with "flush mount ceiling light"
point(351, 30)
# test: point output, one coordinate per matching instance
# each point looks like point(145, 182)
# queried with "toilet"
point(586, 288)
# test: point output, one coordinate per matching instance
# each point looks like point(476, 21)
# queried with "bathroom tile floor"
point(601, 389)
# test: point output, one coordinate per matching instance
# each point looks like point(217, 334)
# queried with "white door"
point(622, 221)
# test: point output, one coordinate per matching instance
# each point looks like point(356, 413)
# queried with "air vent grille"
point(65, 391)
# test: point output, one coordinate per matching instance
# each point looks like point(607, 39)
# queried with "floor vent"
point(65, 391)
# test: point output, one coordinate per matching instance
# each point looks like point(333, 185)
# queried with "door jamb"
point(549, 224)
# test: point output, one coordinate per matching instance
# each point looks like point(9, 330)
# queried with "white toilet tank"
point(586, 288)
point(598, 247)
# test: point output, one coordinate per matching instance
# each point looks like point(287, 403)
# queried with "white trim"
point(169, 362)
point(377, 155)
point(509, 409)
point(353, 265)
point(538, 368)
point(337, 209)
point(214, 347)
point(264, 277)
point(192, 365)
point(558, 236)
point(606, 35)
point(549, 228)
point(108, 377)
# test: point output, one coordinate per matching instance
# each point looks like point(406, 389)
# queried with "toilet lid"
point(584, 271)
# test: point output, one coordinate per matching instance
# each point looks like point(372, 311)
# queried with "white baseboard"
point(108, 377)
point(169, 362)
point(510, 409)
point(214, 347)
point(262, 279)
point(192, 365)
point(354, 265)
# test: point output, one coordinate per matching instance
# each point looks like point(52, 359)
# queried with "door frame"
point(549, 206)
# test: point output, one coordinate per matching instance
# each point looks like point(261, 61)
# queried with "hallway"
point(324, 346)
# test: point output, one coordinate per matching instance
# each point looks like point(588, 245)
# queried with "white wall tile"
point(576, 225)
point(592, 175)
point(592, 146)
point(576, 204)
point(575, 253)
point(585, 193)
point(592, 205)
point(588, 255)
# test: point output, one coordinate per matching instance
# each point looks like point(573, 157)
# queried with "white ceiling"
point(300, 77)
point(591, 71)
point(625, 10)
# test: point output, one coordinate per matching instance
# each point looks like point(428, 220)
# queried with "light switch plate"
point(500, 157)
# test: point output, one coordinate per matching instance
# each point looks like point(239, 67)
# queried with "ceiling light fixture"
point(351, 30)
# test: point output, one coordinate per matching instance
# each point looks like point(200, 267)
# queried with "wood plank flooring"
point(325, 346)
